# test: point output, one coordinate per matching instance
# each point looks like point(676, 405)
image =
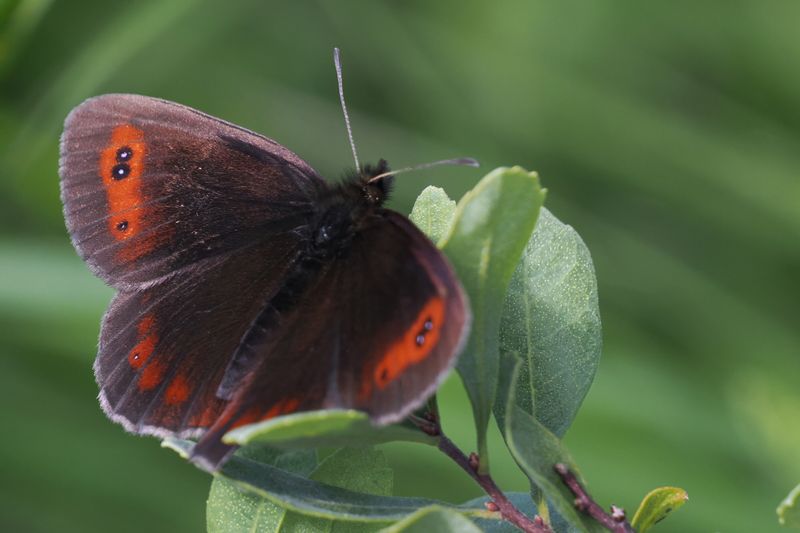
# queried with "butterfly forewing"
point(150, 187)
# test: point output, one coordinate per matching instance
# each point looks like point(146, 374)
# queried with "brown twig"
point(615, 521)
point(499, 501)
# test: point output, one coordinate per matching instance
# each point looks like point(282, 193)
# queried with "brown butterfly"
point(247, 286)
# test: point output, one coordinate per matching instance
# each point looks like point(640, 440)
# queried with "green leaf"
point(326, 428)
point(436, 519)
point(551, 320)
point(313, 498)
point(433, 213)
point(656, 505)
point(230, 509)
point(493, 223)
point(358, 469)
point(536, 450)
point(789, 509)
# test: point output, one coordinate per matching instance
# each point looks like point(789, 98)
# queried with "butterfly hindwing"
point(401, 349)
point(375, 330)
point(151, 187)
point(163, 350)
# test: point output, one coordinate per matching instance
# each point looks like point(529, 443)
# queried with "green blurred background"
point(667, 133)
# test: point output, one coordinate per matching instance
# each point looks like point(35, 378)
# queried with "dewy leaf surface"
point(551, 321)
point(492, 225)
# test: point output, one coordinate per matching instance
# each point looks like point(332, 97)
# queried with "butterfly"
point(248, 287)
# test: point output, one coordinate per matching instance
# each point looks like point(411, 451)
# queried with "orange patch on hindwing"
point(147, 337)
point(151, 376)
point(178, 390)
point(283, 407)
point(121, 167)
point(147, 340)
point(206, 417)
point(412, 347)
point(248, 417)
point(255, 414)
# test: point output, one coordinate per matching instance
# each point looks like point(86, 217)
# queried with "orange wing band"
point(121, 168)
point(414, 345)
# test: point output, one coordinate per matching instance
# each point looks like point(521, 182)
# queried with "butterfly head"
point(376, 182)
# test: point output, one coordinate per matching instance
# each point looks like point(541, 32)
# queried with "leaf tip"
point(656, 505)
point(179, 446)
point(788, 510)
point(434, 190)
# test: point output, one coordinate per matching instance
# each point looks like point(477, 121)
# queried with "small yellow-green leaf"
point(656, 505)
point(433, 213)
point(789, 509)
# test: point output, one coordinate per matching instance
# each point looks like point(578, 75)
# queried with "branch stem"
point(615, 522)
point(502, 503)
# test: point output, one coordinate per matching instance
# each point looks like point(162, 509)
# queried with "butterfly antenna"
point(338, 63)
point(459, 161)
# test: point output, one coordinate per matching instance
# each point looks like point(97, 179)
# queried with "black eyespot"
point(420, 340)
point(136, 356)
point(384, 374)
point(122, 226)
point(124, 154)
point(120, 171)
point(428, 325)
